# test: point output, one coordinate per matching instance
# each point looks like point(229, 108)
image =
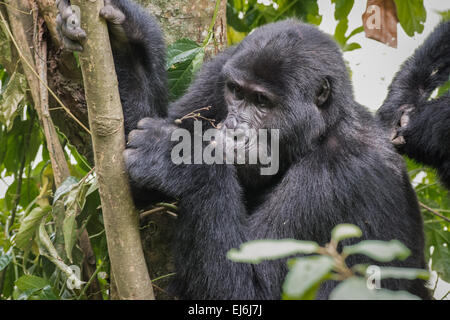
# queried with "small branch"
point(446, 295)
point(160, 207)
point(434, 212)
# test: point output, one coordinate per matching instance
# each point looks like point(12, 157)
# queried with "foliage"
point(307, 272)
point(244, 16)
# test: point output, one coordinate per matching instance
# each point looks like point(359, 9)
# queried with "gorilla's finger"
point(134, 136)
point(73, 32)
point(129, 156)
point(145, 123)
point(400, 140)
point(404, 120)
point(112, 14)
point(71, 45)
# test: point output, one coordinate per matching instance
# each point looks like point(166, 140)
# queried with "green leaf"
point(11, 99)
point(356, 289)
point(259, 250)
point(47, 294)
point(340, 31)
point(5, 259)
point(412, 15)
point(345, 231)
point(25, 295)
point(444, 14)
point(444, 88)
point(439, 239)
point(8, 283)
point(403, 273)
point(182, 50)
point(30, 282)
point(65, 187)
point(382, 251)
point(342, 8)
point(180, 75)
point(75, 200)
point(29, 191)
point(233, 19)
point(351, 46)
point(29, 226)
point(305, 276)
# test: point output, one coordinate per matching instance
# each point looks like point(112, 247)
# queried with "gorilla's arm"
point(426, 133)
point(213, 217)
point(139, 56)
point(420, 128)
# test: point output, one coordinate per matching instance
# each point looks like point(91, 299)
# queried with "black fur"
point(427, 133)
point(336, 165)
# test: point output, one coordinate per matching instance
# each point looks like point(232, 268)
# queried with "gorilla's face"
point(288, 78)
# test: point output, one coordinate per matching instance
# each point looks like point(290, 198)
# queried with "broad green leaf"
point(75, 200)
point(47, 294)
point(345, 231)
point(180, 75)
point(25, 295)
point(29, 226)
point(259, 250)
point(403, 273)
point(439, 239)
point(356, 289)
point(383, 251)
point(5, 259)
point(11, 99)
point(30, 282)
point(412, 15)
point(65, 187)
point(182, 50)
point(305, 274)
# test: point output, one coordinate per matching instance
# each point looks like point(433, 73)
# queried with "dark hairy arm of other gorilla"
point(139, 56)
point(422, 125)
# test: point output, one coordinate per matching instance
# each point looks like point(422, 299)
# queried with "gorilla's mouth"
point(237, 135)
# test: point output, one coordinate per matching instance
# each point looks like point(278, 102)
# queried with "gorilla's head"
point(288, 76)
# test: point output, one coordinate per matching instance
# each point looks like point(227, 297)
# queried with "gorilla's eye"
point(324, 93)
point(261, 99)
point(236, 90)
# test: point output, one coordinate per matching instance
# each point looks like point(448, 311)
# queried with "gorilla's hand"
point(399, 132)
point(68, 22)
point(147, 156)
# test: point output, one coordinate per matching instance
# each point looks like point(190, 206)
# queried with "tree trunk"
point(190, 19)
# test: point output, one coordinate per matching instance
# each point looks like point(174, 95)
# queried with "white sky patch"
point(375, 64)
point(418, 179)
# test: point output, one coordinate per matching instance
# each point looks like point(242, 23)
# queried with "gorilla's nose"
point(231, 122)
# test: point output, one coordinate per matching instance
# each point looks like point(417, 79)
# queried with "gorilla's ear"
point(323, 93)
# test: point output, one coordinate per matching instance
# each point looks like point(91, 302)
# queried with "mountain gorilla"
point(419, 127)
point(334, 164)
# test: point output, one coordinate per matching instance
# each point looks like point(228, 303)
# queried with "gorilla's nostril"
point(231, 122)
